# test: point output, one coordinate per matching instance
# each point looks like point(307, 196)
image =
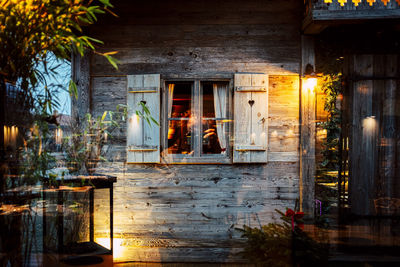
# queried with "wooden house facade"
point(365, 34)
point(235, 132)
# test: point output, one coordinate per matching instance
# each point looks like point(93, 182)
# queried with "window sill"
point(199, 160)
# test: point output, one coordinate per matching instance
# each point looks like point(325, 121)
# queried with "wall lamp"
point(310, 79)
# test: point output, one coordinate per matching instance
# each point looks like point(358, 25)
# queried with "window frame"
point(197, 107)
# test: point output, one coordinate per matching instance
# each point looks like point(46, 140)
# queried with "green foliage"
point(145, 114)
point(332, 87)
point(36, 158)
point(269, 246)
point(31, 29)
point(84, 148)
point(278, 244)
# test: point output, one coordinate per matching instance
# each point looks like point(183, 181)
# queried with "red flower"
point(289, 213)
point(299, 215)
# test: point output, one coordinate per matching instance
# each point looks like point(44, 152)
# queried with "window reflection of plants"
point(84, 148)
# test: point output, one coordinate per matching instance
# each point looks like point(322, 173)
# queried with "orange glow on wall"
point(10, 136)
point(118, 248)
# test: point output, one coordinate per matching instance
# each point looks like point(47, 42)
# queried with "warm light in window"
point(309, 84)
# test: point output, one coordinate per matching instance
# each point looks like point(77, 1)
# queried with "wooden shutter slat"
point(250, 148)
point(143, 140)
point(251, 88)
point(143, 90)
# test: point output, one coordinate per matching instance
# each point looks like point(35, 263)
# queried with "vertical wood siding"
point(181, 213)
point(374, 150)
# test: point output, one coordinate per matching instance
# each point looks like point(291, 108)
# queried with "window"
point(197, 117)
point(197, 121)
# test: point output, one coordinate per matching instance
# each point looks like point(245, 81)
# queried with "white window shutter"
point(143, 140)
point(250, 118)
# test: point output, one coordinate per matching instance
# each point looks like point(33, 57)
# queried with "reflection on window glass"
point(179, 137)
point(179, 114)
point(214, 105)
point(210, 142)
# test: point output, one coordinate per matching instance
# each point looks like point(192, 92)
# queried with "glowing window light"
point(371, 2)
point(385, 2)
point(342, 2)
point(356, 2)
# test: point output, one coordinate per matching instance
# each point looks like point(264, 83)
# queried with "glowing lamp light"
point(310, 79)
point(118, 248)
point(309, 84)
point(369, 125)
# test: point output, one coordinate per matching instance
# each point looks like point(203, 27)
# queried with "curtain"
point(171, 87)
point(220, 103)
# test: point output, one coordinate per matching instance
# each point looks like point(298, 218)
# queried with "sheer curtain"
point(171, 87)
point(220, 103)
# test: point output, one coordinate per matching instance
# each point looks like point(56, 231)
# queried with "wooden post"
point(2, 124)
point(81, 76)
point(307, 139)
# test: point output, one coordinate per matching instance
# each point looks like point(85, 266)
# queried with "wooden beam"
point(351, 15)
point(307, 133)
point(81, 76)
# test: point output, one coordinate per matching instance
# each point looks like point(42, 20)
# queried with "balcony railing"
point(325, 11)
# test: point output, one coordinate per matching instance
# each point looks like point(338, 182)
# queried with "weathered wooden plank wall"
point(188, 213)
point(374, 152)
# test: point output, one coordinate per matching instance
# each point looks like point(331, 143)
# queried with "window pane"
point(210, 140)
point(179, 114)
point(208, 101)
point(179, 137)
point(214, 131)
point(180, 100)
